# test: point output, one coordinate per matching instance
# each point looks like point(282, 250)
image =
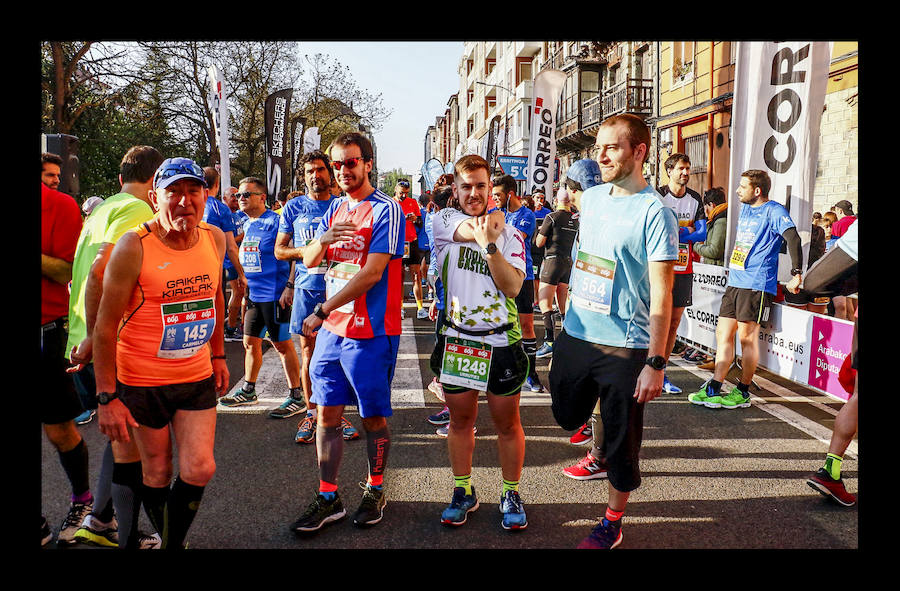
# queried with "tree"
point(329, 98)
point(390, 180)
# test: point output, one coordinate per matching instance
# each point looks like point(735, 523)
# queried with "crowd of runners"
point(135, 320)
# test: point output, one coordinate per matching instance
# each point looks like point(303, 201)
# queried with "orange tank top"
point(163, 338)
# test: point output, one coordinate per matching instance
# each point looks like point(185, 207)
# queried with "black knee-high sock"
point(103, 505)
point(378, 444)
point(330, 448)
point(154, 500)
point(126, 498)
point(184, 500)
point(530, 346)
point(549, 327)
point(75, 465)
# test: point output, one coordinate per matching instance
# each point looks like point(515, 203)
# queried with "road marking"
point(407, 390)
point(795, 419)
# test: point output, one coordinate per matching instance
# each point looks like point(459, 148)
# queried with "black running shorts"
point(509, 368)
point(583, 372)
point(747, 305)
point(525, 297)
point(556, 270)
point(58, 398)
point(154, 406)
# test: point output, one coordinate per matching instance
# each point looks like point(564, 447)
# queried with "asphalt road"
point(712, 479)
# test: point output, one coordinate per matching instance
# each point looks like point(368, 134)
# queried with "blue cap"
point(586, 172)
point(175, 169)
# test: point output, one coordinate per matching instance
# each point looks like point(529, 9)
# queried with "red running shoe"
point(823, 483)
point(589, 468)
point(584, 435)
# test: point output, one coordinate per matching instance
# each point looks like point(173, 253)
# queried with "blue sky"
point(415, 78)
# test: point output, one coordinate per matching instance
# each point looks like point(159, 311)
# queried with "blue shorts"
point(354, 371)
point(304, 302)
point(229, 273)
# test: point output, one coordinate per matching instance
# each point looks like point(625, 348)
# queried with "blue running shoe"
point(545, 351)
point(348, 431)
point(460, 507)
point(669, 387)
point(441, 418)
point(306, 430)
point(533, 385)
point(605, 536)
point(513, 511)
point(85, 417)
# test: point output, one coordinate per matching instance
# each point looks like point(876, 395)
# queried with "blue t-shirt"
point(757, 242)
point(238, 217)
point(300, 218)
point(523, 220)
point(216, 213)
point(266, 275)
point(421, 234)
point(609, 286)
point(541, 213)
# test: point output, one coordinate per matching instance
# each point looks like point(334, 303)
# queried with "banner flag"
point(277, 109)
point(296, 150)
point(547, 86)
point(492, 137)
point(779, 94)
point(311, 140)
point(431, 172)
point(216, 100)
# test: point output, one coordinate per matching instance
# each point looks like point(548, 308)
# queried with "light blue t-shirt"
point(524, 221)
point(300, 218)
point(757, 242)
point(266, 275)
point(432, 262)
point(238, 217)
point(609, 286)
point(849, 242)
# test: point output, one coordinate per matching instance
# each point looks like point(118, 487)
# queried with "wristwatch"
point(106, 397)
point(491, 248)
point(318, 311)
point(656, 362)
point(795, 272)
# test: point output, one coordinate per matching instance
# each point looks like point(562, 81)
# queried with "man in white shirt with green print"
point(481, 262)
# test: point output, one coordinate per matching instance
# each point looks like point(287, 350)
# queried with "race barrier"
point(801, 346)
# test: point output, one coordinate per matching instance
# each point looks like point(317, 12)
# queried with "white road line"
point(407, 390)
point(810, 427)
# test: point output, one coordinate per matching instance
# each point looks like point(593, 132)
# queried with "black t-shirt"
point(560, 228)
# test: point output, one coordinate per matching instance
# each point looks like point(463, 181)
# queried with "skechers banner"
point(277, 110)
point(219, 110)
point(801, 346)
point(779, 93)
point(548, 85)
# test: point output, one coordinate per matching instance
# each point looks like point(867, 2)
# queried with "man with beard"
point(612, 346)
point(483, 264)
point(299, 219)
point(361, 239)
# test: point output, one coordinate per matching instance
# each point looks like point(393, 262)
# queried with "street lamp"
point(505, 112)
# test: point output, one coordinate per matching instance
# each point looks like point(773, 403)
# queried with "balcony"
point(634, 95)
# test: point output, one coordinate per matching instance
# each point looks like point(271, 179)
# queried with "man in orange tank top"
point(159, 348)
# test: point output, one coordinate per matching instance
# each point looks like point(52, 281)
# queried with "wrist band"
point(218, 357)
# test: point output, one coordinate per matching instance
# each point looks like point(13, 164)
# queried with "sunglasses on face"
point(349, 163)
point(404, 184)
point(178, 168)
point(247, 194)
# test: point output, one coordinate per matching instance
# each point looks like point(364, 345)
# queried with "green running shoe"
point(735, 399)
point(702, 398)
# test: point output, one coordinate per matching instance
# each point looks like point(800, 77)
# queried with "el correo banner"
point(801, 346)
point(547, 87)
point(277, 110)
point(219, 108)
point(779, 93)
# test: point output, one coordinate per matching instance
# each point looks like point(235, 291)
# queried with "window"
point(590, 85)
point(489, 64)
point(682, 61)
point(524, 71)
point(696, 148)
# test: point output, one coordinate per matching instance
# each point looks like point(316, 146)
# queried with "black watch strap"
point(318, 311)
point(106, 397)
